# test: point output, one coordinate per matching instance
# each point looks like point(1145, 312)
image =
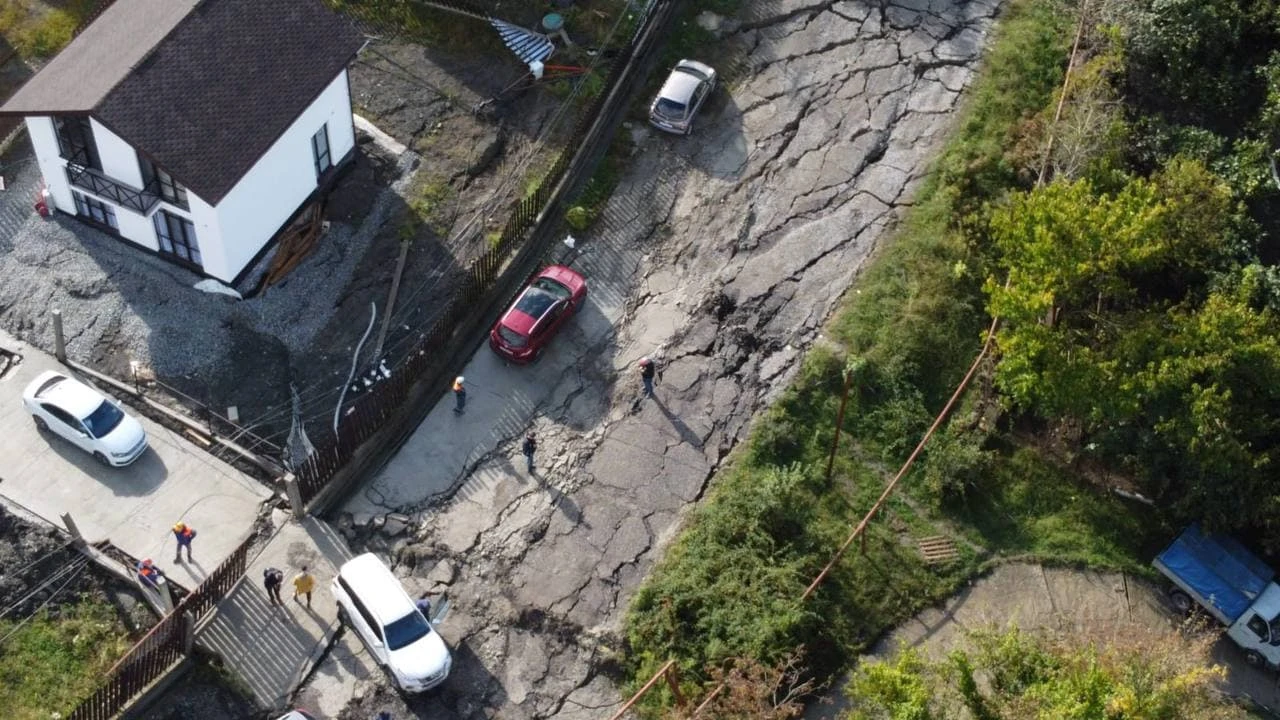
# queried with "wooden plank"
point(938, 549)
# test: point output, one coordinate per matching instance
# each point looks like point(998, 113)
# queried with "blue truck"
point(1231, 584)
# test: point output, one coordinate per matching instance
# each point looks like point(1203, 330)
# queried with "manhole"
point(938, 549)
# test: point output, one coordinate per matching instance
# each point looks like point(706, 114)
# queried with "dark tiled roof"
point(225, 83)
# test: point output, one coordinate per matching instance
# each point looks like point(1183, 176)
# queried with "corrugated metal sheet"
point(528, 45)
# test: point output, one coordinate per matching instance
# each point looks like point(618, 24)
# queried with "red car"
point(524, 330)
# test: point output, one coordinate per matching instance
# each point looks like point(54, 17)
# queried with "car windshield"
point(103, 420)
point(407, 630)
point(670, 108)
point(535, 301)
point(1275, 630)
point(554, 288)
point(511, 337)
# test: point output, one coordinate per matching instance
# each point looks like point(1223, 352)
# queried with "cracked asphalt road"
point(721, 255)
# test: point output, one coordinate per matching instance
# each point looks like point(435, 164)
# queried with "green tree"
point(1077, 262)
point(1195, 59)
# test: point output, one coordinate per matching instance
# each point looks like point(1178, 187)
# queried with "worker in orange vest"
point(150, 574)
point(184, 534)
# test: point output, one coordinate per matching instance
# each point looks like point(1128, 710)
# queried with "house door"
point(177, 238)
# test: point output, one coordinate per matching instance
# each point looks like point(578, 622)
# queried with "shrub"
point(37, 33)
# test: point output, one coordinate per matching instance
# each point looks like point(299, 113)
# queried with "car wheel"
point(1254, 658)
point(1181, 601)
point(41, 425)
point(101, 458)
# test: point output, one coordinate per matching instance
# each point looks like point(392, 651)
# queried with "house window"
point(162, 183)
point(320, 150)
point(177, 236)
point(94, 209)
point(75, 140)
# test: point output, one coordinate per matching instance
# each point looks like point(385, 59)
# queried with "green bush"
point(579, 218)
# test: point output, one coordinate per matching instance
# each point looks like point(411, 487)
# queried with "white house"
point(195, 129)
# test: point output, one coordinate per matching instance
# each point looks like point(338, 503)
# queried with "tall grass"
point(36, 31)
point(52, 662)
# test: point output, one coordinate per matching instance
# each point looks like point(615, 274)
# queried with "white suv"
point(372, 602)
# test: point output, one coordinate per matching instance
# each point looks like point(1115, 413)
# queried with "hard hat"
point(645, 361)
point(459, 380)
point(180, 526)
point(146, 562)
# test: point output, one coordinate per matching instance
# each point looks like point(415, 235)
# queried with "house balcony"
point(84, 177)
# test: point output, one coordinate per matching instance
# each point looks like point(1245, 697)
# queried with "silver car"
point(686, 88)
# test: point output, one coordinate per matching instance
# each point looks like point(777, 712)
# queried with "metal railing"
point(87, 178)
point(165, 644)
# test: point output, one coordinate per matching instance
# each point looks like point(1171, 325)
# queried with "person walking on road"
point(424, 606)
point(150, 574)
point(529, 448)
point(647, 372)
point(303, 584)
point(459, 396)
point(272, 579)
point(184, 534)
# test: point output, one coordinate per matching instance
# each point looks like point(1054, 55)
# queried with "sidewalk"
point(273, 648)
point(134, 507)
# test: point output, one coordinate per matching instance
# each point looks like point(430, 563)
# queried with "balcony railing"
point(141, 200)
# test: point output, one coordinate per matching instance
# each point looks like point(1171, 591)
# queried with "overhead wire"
point(75, 565)
point(47, 600)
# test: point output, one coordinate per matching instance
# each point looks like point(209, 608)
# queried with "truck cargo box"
point(1218, 572)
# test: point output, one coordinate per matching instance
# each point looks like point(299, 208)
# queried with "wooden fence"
point(165, 644)
point(371, 411)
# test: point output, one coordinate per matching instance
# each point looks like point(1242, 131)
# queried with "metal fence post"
point(59, 341)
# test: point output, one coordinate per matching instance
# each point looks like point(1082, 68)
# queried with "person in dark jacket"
point(459, 396)
point(529, 448)
point(272, 579)
point(647, 371)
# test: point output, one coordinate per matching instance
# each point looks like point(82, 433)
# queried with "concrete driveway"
point(133, 507)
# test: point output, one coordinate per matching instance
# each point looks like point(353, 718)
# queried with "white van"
point(372, 602)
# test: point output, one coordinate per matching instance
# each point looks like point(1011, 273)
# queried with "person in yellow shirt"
point(303, 584)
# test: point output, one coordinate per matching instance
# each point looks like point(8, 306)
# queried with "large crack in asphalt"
point(724, 253)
